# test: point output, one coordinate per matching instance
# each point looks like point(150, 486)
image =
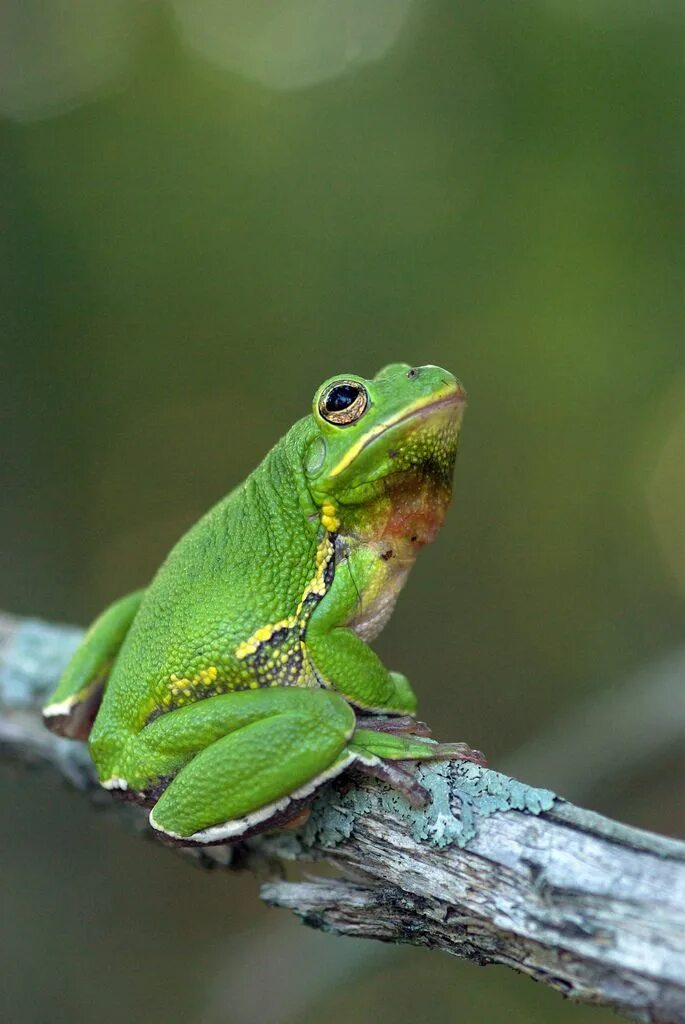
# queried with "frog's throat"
point(450, 395)
point(405, 515)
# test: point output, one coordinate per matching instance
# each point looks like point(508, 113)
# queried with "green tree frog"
point(227, 691)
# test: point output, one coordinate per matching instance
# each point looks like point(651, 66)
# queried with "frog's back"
point(243, 565)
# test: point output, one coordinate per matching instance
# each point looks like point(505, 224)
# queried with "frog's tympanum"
point(225, 693)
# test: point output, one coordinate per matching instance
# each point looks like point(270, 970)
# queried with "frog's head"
point(382, 458)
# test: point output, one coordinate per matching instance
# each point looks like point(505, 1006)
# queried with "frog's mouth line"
point(455, 397)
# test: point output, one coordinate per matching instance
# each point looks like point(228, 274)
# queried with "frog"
point(226, 693)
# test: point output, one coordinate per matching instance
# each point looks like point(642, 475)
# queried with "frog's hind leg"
point(249, 760)
point(75, 702)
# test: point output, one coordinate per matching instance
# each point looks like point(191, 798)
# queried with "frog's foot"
point(379, 752)
point(389, 746)
point(73, 716)
point(399, 778)
point(76, 701)
point(406, 725)
point(397, 725)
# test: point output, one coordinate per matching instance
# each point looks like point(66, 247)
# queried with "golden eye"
point(343, 403)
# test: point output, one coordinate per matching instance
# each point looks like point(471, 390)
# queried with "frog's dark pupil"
point(341, 397)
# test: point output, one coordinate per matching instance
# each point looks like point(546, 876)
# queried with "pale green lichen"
point(461, 795)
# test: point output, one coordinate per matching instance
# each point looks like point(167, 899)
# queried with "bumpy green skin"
point(231, 682)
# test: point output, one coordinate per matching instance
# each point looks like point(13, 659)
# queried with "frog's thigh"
point(277, 745)
point(75, 702)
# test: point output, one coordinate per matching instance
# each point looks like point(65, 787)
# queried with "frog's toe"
point(73, 716)
point(459, 752)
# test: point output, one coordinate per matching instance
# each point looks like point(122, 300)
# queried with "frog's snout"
point(439, 380)
point(460, 392)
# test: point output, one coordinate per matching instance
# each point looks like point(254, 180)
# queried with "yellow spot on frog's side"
point(317, 584)
point(261, 636)
point(182, 685)
point(329, 518)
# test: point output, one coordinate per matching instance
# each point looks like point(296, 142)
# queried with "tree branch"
point(493, 870)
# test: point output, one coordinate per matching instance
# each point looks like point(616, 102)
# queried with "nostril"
point(412, 373)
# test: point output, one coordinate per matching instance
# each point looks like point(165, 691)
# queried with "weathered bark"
point(492, 870)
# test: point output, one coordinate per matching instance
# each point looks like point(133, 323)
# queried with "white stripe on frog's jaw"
point(230, 830)
point(450, 395)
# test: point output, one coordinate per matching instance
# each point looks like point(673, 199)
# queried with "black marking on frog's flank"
point(386, 555)
point(278, 661)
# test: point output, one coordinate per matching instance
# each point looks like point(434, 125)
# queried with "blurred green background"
point(207, 208)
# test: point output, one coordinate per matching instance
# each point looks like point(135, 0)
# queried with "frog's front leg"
point(75, 702)
point(345, 662)
point(348, 665)
point(238, 761)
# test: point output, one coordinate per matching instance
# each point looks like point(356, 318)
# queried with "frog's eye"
point(343, 402)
